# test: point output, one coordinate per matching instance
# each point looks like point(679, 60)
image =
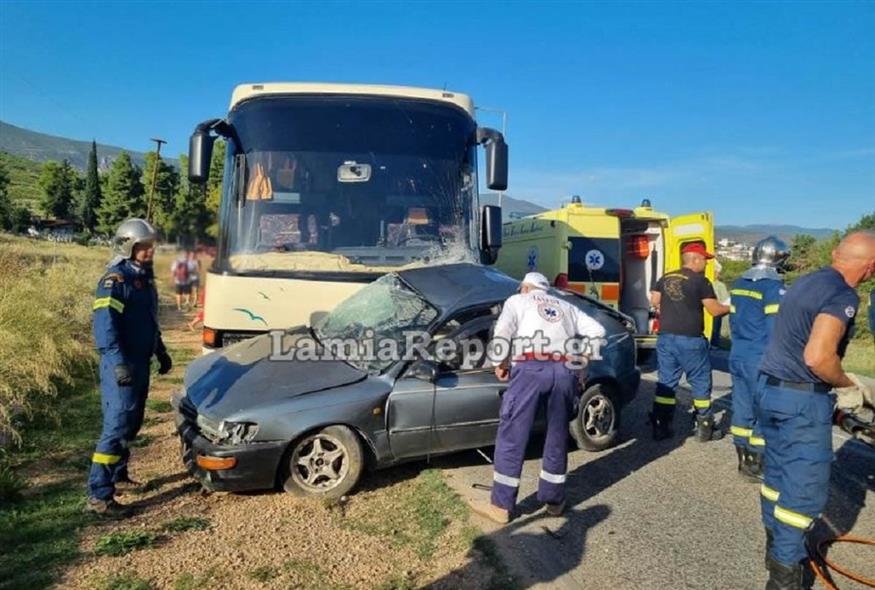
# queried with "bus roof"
point(246, 91)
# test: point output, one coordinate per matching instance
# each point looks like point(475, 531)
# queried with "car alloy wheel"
point(595, 427)
point(320, 462)
point(598, 416)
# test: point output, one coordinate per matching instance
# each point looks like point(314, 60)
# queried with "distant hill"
point(23, 180)
point(511, 208)
point(39, 147)
point(750, 234)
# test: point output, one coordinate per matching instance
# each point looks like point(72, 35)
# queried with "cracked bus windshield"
point(347, 185)
point(385, 310)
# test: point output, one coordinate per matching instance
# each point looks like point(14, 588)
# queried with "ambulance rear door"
point(689, 229)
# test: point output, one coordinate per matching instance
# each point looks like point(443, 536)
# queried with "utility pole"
point(158, 143)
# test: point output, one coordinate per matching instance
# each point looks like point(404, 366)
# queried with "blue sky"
point(760, 112)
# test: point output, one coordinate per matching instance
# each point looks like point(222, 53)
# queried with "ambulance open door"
point(689, 229)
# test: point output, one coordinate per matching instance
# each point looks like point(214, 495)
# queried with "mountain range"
point(40, 147)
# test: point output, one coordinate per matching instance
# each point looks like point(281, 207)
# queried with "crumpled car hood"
point(243, 377)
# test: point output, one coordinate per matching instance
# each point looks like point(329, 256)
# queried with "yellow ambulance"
point(613, 255)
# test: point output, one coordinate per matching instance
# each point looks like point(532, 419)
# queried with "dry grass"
point(46, 290)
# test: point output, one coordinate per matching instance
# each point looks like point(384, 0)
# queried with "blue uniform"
point(795, 412)
point(125, 327)
point(755, 305)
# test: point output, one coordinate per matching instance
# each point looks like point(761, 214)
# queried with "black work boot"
point(755, 465)
point(705, 430)
point(661, 425)
point(770, 538)
point(107, 508)
point(783, 576)
point(745, 467)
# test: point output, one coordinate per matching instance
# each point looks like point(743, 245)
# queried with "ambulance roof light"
point(645, 203)
point(575, 200)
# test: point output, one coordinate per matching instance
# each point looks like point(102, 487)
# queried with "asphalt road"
point(669, 514)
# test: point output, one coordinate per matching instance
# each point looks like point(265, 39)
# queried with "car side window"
point(469, 332)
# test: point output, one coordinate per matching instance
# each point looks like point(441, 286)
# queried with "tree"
point(90, 198)
point(58, 183)
point(20, 219)
point(166, 186)
point(214, 188)
point(5, 201)
point(123, 197)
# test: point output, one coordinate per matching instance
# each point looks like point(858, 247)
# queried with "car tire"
point(326, 463)
point(597, 423)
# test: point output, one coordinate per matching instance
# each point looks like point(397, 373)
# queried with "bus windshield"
point(341, 184)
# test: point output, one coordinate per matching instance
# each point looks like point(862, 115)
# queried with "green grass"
point(11, 484)
point(142, 440)
point(123, 542)
point(124, 582)
point(860, 357)
point(186, 523)
point(159, 405)
point(501, 578)
point(397, 582)
point(263, 573)
point(189, 581)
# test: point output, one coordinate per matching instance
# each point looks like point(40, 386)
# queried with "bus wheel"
point(325, 464)
point(597, 422)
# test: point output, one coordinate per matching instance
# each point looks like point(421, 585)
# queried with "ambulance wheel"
point(597, 422)
point(325, 464)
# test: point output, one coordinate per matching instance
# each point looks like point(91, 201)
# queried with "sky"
point(761, 112)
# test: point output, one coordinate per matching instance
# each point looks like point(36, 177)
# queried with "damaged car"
point(294, 409)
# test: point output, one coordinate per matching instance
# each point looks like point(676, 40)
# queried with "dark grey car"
point(251, 418)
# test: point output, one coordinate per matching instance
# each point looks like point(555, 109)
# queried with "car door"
point(467, 393)
point(410, 417)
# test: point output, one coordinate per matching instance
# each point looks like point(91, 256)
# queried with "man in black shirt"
point(681, 348)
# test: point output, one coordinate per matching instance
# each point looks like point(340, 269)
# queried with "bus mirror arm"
point(490, 233)
point(496, 158)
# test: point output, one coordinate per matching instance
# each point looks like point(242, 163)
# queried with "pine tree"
point(91, 195)
point(213, 194)
point(58, 182)
point(5, 201)
point(123, 197)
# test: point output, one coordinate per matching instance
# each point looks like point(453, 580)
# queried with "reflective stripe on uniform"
point(757, 441)
point(552, 478)
point(739, 431)
point(773, 308)
point(768, 493)
point(747, 293)
point(665, 401)
point(105, 459)
point(513, 482)
point(794, 519)
point(110, 302)
point(702, 403)
point(731, 308)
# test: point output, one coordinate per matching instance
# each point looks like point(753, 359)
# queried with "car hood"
point(244, 376)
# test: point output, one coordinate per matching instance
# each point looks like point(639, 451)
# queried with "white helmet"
point(130, 233)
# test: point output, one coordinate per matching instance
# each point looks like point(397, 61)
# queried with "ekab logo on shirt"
point(549, 312)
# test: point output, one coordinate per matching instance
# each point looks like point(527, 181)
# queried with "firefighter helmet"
point(130, 233)
point(771, 252)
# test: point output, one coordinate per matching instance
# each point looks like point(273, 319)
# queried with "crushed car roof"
point(453, 286)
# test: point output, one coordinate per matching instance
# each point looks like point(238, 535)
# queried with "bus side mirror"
point(490, 233)
point(496, 158)
point(200, 154)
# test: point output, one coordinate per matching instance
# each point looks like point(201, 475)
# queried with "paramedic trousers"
point(531, 383)
point(123, 407)
point(745, 395)
point(675, 356)
point(797, 426)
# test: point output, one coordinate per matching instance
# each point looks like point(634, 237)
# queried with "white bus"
point(328, 186)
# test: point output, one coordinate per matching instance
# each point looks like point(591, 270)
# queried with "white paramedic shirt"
point(537, 314)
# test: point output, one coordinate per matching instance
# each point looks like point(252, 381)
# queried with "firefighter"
point(756, 297)
point(801, 368)
point(127, 335)
point(681, 347)
point(538, 331)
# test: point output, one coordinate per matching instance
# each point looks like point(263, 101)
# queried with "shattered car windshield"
point(371, 327)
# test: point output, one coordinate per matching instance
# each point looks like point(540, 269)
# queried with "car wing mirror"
point(424, 370)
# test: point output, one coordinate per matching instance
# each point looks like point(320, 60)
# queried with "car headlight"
point(237, 433)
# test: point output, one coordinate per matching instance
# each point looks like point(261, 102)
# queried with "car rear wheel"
point(597, 422)
point(324, 464)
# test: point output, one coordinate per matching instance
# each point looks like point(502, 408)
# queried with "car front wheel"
point(597, 422)
point(325, 464)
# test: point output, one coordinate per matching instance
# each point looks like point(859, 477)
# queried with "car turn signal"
point(216, 463)
point(209, 338)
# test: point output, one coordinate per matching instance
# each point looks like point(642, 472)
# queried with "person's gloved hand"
point(123, 375)
point(854, 397)
point(165, 363)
